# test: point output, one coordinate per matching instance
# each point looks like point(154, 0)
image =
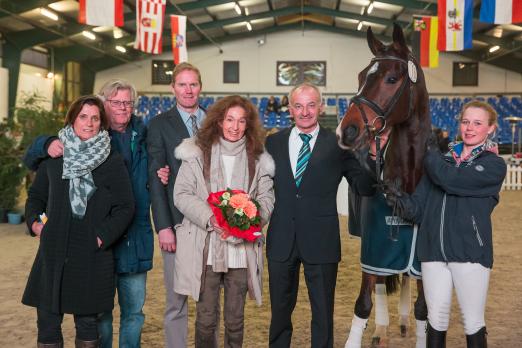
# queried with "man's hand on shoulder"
point(167, 240)
point(55, 148)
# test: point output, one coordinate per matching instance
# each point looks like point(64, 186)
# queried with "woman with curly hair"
point(227, 152)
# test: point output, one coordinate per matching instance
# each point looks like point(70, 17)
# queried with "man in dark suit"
point(166, 131)
point(304, 227)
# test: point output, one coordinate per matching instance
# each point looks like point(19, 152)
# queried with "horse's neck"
point(403, 161)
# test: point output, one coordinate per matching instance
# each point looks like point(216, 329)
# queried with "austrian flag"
point(101, 12)
point(149, 25)
point(455, 25)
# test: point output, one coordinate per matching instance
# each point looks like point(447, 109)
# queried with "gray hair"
point(111, 87)
point(302, 86)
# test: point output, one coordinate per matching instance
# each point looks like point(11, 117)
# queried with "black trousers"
point(50, 327)
point(284, 284)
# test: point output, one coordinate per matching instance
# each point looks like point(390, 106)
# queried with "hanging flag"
point(455, 25)
point(501, 11)
point(178, 27)
point(424, 40)
point(101, 12)
point(149, 25)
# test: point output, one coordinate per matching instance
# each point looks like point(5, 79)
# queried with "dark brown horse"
point(392, 102)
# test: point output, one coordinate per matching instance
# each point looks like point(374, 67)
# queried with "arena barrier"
point(513, 180)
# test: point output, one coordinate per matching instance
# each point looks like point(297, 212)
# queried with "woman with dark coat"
point(453, 204)
point(87, 200)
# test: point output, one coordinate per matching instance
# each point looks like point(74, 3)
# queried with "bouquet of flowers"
point(236, 213)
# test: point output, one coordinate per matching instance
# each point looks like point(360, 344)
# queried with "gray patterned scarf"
point(80, 158)
point(218, 183)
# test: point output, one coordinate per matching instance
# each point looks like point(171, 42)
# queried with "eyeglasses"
point(119, 103)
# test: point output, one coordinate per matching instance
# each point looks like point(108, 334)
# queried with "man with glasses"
point(166, 132)
point(133, 253)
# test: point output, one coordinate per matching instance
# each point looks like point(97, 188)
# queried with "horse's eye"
point(391, 80)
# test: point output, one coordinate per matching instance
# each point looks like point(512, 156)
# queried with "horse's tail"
point(392, 284)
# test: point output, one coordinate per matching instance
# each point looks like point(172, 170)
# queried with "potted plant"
point(30, 119)
point(11, 170)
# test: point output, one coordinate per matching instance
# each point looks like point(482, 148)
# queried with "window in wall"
point(162, 72)
point(230, 71)
point(291, 73)
point(465, 74)
point(35, 58)
point(72, 82)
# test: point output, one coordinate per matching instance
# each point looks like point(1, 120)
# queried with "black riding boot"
point(478, 339)
point(435, 339)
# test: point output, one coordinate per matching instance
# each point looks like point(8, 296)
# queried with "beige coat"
point(190, 197)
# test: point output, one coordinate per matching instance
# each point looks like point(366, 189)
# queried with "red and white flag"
point(178, 27)
point(149, 25)
point(101, 12)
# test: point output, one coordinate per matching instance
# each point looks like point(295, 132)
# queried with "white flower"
point(239, 211)
point(226, 196)
point(223, 203)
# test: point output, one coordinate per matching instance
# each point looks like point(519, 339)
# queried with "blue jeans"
point(131, 298)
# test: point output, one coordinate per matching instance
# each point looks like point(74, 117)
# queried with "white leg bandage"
point(381, 305)
point(405, 299)
point(421, 334)
point(356, 332)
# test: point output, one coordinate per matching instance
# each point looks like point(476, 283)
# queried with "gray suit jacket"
point(166, 132)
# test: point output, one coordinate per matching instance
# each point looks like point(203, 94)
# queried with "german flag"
point(424, 41)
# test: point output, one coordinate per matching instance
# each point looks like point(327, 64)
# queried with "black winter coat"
point(453, 206)
point(70, 273)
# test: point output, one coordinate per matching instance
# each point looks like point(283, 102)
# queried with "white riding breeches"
point(470, 281)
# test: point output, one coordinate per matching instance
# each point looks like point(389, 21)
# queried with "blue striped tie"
point(302, 158)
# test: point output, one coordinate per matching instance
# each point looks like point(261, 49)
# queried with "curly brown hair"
point(211, 129)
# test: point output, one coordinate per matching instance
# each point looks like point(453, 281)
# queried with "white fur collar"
point(188, 149)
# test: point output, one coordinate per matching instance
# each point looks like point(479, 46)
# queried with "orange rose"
point(239, 200)
point(250, 210)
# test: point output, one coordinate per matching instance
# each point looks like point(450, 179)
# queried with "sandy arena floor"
point(503, 314)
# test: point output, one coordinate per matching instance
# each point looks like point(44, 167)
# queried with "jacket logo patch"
point(479, 168)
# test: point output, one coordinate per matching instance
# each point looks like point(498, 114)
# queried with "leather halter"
point(360, 99)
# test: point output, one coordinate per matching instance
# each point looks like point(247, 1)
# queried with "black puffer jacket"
point(453, 205)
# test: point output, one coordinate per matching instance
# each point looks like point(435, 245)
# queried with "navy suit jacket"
point(308, 215)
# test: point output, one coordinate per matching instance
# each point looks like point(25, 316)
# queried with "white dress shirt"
point(295, 143)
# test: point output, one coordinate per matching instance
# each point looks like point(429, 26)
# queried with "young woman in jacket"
point(227, 152)
point(87, 198)
point(453, 205)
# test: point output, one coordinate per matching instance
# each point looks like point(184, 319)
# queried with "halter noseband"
point(360, 99)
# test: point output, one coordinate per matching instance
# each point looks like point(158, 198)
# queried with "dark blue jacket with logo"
point(134, 251)
point(453, 205)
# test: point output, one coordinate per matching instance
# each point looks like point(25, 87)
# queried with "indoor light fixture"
point(117, 33)
point(121, 49)
point(494, 48)
point(89, 35)
point(49, 14)
point(370, 7)
point(249, 26)
point(247, 12)
point(237, 8)
point(50, 75)
point(359, 26)
point(362, 10)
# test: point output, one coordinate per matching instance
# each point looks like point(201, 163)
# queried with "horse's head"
point(384, 96)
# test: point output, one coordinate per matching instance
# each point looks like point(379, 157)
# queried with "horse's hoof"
point(404, 330)
point(378, 342)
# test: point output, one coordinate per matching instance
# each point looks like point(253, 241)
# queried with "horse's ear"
point(398, 36)
point(375, 45)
